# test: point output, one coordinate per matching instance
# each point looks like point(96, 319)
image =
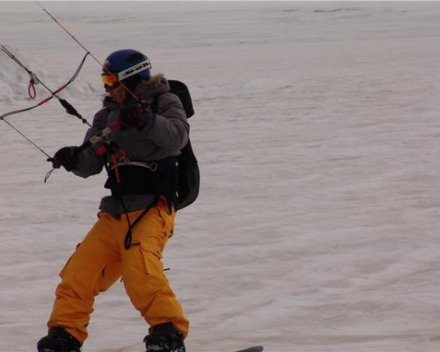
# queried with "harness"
point(158, 178)
point(126, 177)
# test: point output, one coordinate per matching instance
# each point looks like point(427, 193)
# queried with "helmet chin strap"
point(132, 82)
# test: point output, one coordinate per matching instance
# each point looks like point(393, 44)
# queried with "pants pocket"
point(152, 258)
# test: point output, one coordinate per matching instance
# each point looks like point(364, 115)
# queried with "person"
point(137, 219)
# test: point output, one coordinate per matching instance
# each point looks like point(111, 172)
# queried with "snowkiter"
point(137, 219)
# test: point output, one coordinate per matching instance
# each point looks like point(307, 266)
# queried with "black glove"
point(66, 157)
point(133, 116)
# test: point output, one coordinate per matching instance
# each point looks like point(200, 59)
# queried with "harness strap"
point(126, 162)
point(128, 236)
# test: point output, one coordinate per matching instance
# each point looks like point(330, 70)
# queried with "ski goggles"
point(110, 80)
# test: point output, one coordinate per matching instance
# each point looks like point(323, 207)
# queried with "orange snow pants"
point(101, 259)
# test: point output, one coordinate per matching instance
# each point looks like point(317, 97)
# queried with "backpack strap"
point(181, 91)
point(154, 105)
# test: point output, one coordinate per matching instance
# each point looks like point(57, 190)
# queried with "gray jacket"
point(164, 135)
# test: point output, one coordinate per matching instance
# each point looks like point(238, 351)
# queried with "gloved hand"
point(66, 157)
point(133, 116)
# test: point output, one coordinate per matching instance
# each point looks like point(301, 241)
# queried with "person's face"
point(116, 93)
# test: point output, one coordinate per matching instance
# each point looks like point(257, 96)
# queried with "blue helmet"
point(127, 63)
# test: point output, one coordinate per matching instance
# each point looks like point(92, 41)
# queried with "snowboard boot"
point(58, 340)
point(165, 338)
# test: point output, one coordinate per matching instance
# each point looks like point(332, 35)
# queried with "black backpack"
point(188, 168)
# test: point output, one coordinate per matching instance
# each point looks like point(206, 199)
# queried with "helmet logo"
point(106, 65)
point(144, 65)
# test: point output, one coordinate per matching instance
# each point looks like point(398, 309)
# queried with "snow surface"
point(317, 133)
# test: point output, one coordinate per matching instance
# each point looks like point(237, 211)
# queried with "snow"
point(316, 130)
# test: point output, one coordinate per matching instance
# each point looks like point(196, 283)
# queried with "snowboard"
point(253, 349)
point(250, 349)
